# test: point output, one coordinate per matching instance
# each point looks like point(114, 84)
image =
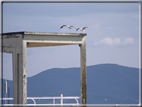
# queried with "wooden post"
point(83, 71)
point(15, 87)
point(20, 73)
point(23, 74)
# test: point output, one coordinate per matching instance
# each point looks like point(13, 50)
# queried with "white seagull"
point(70, 27)
point(82, 29)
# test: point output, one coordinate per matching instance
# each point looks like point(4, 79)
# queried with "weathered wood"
point(23, 74)
point(41, 43)
point(12, 42)
point(16, 43)
point(83, 71)
point(20, 73)
point(15, 86)
point(53, 38)
point(7, 49)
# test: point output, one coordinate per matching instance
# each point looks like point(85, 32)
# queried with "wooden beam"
point(41, 43)
point(19, 57)
point(11, 42)
point(15, 87)
point(83, 71)
point(53, 39)
point(7, 49)
point(23, 74)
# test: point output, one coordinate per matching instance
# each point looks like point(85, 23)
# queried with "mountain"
point(106, 84)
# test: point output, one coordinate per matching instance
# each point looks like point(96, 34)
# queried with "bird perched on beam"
point(82, 29)
point(70, 27)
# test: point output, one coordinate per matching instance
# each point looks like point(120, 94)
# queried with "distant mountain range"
point(106, 84)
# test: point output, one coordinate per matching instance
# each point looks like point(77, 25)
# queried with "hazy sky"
point(113, 33)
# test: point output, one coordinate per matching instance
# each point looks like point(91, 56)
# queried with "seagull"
point(70, 27)
point(82, 29)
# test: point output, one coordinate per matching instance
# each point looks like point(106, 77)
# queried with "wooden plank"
point(54, 38)
point(23, 74)
point(83, 71)
point(15, 87)
point(54, 34)
point(19, 57)
point(32, 43)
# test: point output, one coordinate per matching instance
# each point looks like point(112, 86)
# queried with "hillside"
point(106, 84)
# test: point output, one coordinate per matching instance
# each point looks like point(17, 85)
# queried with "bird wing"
point(63, 26)
point(72, 26)
point(84, 27)
point(77, 29)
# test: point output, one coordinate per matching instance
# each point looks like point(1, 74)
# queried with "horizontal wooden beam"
point(53, 38)
point(40, 43)
point(55, 34)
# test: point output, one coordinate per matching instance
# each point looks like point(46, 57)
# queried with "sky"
point(112, 33)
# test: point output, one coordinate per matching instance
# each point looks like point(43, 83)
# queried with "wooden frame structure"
point(17, 44)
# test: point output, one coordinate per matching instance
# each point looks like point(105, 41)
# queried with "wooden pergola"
point(17, 44)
